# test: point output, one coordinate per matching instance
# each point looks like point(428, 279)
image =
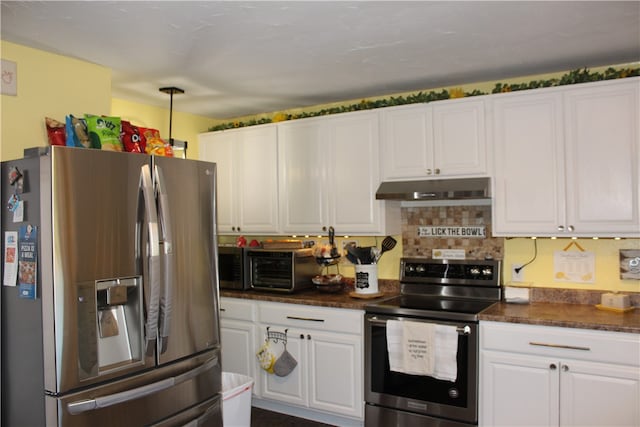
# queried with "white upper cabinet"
point(566, 161)
point(602, 152)
point(329, 176)
point(303, 151)
point(435, 140)
point(247, 177)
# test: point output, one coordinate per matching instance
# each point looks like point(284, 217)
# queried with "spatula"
point(387, 244)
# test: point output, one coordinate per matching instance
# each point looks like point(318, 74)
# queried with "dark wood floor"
point(264, 418)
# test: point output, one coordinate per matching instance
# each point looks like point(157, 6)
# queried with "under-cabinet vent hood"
point(437, 189)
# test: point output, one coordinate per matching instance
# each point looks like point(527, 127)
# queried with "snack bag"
point(77, 135)
point(130, 137)
point(104, 132)
point(155, 145)
point(56, 132)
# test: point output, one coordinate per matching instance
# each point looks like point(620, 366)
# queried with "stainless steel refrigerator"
point(114, 320)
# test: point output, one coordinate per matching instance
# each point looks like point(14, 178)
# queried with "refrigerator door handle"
point(166, 297)
point(81, 406)
point(153, 257)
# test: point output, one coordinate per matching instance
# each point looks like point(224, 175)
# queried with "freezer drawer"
point(172, 395)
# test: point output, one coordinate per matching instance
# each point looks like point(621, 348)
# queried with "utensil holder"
point(366, 278)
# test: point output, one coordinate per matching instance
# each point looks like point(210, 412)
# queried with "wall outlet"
point(517, 276)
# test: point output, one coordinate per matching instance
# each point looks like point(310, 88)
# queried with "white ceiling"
point(236, 58)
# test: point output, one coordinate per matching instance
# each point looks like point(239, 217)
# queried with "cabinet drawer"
point(581, 344)
point(308, 317)
point(238, 309)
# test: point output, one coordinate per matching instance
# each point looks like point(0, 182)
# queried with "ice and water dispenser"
point(111, 325)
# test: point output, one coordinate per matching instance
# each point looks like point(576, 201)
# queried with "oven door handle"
point(462, 330)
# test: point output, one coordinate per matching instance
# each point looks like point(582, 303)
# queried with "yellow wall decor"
point(49, 85)
point(540, 273)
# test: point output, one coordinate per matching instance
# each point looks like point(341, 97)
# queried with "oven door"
point(420, 394)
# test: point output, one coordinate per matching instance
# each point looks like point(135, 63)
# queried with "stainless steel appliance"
point(438, 292)
point(281, 270)
point(231, 268)
point(122, 327)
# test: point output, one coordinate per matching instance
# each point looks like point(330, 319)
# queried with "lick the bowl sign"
point(472, 232)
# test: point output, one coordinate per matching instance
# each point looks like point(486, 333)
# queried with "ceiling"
point(235, 58)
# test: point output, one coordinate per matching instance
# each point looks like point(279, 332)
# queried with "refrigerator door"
point(93, 272)
point(186, 214)
point(173, 395)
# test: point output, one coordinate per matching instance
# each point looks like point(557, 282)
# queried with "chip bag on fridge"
point(104, 131)
point(56, 133)
point(77, 135)
point(155, 145)
point(130, 137)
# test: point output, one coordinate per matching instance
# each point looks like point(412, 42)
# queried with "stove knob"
point(474, 271)
point(409, 268)
point(487, 271)
point(420, 268)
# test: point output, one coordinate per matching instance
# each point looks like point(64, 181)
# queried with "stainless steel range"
point(441, 295)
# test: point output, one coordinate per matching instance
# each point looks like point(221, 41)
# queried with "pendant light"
point(179, 146)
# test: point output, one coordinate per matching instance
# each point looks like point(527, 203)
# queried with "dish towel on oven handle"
point(419, 348)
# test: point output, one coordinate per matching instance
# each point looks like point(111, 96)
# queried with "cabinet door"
point(292, 388)
point(335, 376)
point(528, 158)
point(303, 150)
point(459, 140)
point(406, 153)
point(237, 339)
point(518, 390)
point(219, 147)
point(353, 173)
point(597, 394)
point(602, 153)
point(257, 170)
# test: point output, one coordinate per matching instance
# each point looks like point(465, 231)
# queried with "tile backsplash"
point(450, 216)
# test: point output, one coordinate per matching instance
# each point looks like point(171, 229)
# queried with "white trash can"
point(236, 400)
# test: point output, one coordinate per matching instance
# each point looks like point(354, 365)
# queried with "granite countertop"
point(310, 297)
point(581, 316)
point(548, 307)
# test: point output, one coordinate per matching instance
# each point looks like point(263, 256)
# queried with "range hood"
point(436, 189)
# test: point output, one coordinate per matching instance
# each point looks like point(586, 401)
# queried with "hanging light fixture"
point(179, 147)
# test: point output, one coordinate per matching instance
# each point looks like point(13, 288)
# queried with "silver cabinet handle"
point(568, 347)
point(306, 319)
point(553, 366)
point(570, 228)
point(437, 171)
point(428, 171)
point(561, 228)
point(565, 368)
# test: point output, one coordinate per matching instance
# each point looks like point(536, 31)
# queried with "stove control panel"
point(463, 272)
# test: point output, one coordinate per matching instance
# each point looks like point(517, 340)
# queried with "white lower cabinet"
point(238, 337)
point(549, 376)
point(328, 346)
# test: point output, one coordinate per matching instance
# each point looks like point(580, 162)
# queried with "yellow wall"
point(49, 85)
point(541, 271)
point(183, 126)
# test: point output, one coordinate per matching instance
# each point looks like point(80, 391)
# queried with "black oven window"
point(417, 387)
